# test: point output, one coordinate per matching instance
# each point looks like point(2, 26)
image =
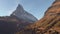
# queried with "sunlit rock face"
point(49, 24)
point(22, 14)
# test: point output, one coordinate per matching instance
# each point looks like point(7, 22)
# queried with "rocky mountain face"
point(16, 22)
point(49, 24)
point(24, 17)
point(22, 14)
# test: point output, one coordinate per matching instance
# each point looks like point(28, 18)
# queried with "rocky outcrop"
point(49, 24)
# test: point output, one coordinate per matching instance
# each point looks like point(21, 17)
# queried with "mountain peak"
point(19, 6)
point(22, 14)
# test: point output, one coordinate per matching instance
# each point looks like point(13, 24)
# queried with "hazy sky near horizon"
point(35, 7)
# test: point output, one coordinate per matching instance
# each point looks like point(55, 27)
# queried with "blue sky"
point(35, 7)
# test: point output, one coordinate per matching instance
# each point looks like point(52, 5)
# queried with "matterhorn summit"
point(22, 14)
